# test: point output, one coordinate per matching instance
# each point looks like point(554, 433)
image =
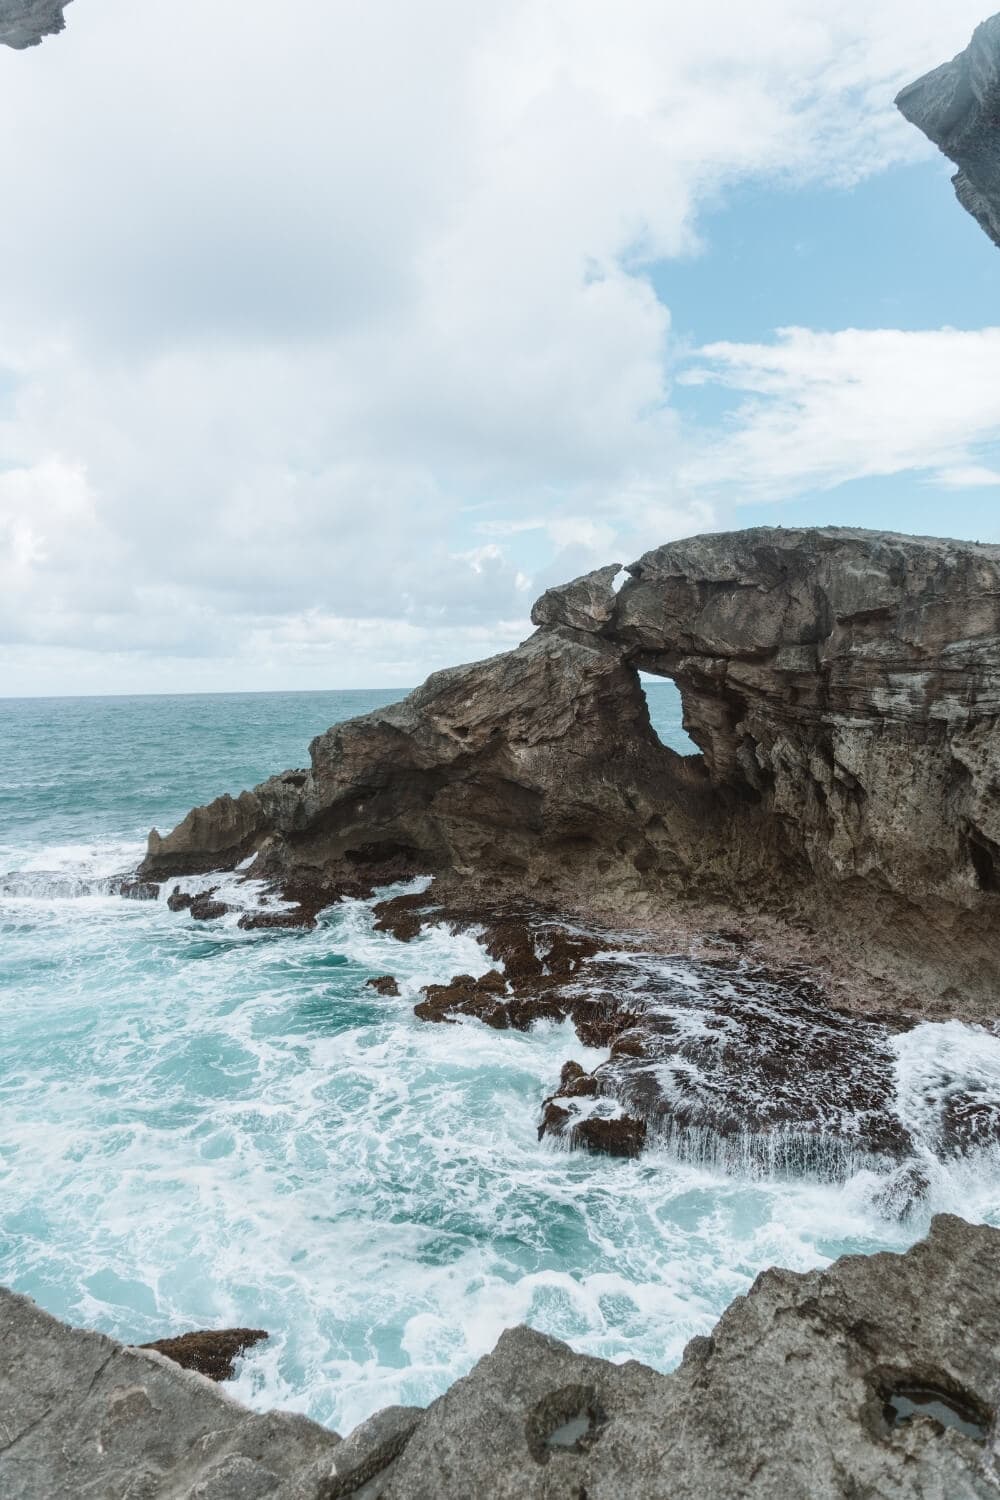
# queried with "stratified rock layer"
point(843, 687)
point(958, 107)
point(877, 1379)
point(23, 23)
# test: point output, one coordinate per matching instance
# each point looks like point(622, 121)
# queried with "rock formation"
point(877, 1377)
point(843, 687)
point(23, 23)
point(958, 107)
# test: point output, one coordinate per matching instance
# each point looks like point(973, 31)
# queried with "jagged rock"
point(82, 1415)
point(814, 1387)
point(737, 1068)
point(204, 907)
point(958, 107)
point(879, 1377)
point(139, 890)
point(843, 687)
point(296, 916)
point(23, 23)
point(211, 1351)
point(180, 900)
point(384, 984)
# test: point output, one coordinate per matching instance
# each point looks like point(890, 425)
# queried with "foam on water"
point(203, 1126)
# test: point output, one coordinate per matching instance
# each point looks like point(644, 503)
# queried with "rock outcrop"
point(23, 23)
point(879, 1377)
point(843, 687)
point(958, 107)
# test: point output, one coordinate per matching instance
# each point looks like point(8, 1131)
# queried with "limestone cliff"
point(876, 1377)
point(958, 107)
point(23, 23)
point(843, 687)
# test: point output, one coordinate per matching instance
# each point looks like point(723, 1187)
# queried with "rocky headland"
point(957, 106)
point(877, 1379)
point(843, 688)
point(744, 931)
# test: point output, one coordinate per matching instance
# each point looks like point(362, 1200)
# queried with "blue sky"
point(325, 347)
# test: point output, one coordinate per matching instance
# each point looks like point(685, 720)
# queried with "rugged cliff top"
point(879, 1376)
point(958, 107)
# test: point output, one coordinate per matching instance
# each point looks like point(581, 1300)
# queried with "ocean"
point(201, 1126)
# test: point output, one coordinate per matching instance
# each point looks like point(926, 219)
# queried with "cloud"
point(302, 307)
point(819, 409)
point(967, 477)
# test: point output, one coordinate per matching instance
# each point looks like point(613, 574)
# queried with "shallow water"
point(201, 1126)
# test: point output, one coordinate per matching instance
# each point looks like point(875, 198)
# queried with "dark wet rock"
point(297, 916)
point(205, 908)
point(878, 1377)
point(23, 23)
point(384, 984)
point(843, 687)
point(211, 1351)
point(180, 900)
point(904, 1192)
point(139, 890)
point(735, 1067)
point(402, 916)
point(615, 1135)
point(465, 995)
point(958, 107)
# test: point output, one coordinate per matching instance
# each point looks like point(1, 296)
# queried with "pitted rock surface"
point(877, 1379)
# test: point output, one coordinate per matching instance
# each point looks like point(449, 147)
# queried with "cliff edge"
point(876, 1377)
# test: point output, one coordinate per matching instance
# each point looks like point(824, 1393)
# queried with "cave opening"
point(666, 713)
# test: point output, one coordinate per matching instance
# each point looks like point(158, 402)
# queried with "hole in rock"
point(568, 1420)
point(910, 1399)
point(666, 714)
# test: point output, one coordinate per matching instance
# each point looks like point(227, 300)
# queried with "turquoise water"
point(201, 1126)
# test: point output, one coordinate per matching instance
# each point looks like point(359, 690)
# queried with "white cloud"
point(299, 306)
point(967, 477)
point(818, 409)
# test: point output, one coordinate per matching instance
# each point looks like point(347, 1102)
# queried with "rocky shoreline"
point(878, 1377)
point(843, 687)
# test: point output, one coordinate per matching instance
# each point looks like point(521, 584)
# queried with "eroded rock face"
point(843, 687)
point(877, 1377)
point(958, 107)
point(23, 23)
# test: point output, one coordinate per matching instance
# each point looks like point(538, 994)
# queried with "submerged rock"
point(958, 107)
point(843, 687)
point(877, 1377)
point(211, 1351)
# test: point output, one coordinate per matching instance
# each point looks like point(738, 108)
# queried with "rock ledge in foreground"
point(878, 1378)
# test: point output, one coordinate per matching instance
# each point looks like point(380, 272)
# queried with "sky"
point(332, 333)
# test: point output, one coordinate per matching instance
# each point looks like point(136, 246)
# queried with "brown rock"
point(843, 687)
point(211, 1351)
point(385, 984)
